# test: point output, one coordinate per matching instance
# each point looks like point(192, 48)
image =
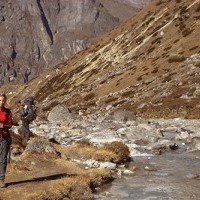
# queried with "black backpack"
point(29, 110)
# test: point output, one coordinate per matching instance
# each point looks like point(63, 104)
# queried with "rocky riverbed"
point(164, 158)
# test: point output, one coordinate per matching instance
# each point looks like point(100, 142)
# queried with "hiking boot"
point(2, 184)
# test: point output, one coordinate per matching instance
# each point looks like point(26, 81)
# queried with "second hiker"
point(27, 114)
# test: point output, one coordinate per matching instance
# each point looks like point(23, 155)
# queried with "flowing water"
point(174, 175)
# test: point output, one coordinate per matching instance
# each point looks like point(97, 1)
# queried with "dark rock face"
point(36, 35)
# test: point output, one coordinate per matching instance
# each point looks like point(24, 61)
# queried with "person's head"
point(3, 99)
point(29, 101)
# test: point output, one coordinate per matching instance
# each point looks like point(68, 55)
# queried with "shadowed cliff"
point(37, 35)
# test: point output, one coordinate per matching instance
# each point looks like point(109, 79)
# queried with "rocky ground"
point(77, 146)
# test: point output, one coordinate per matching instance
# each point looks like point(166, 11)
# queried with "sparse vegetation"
point(175, 41)
point(184, 9)
point(167, 48)
point(151, 49)
point(176, 58)
point(110, 99)
point(167, 78)
point(197, 8)
point(139, 40)
point(155, 70)
point(145, 68)
point(157, 40)
point(182, 26)
point(85, 150)
point(127, 93)
point(72, 188)
point(139, 78)
point(193, 48)
point(160, 2)
point(74, 182)
point(119, 149)
point(89, 96)
point(186, 32)
point(149, 20)
point(155, 34)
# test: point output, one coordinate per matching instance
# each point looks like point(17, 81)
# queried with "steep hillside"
point(38, 34)
point(150, 65)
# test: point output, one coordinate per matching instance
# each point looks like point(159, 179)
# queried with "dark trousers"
point(4, 148)
point(24, 130)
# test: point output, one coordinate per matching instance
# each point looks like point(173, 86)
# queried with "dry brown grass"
point(75, 188)
point(16, 140)
point(106, 156)
point(44, 155)
point(119, 149)
point(30, 179)
point(98, 176)
point(115, 152)
point(19, 167)
point(72, 188)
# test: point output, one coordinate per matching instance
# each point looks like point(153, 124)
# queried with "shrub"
point(186, 32)
point(176, 58)
point(106, 156)
point(119, 149)
point(89, 96)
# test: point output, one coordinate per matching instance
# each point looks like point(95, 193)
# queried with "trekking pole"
point(9, 154)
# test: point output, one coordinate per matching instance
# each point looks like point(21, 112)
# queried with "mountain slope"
point(149, 65)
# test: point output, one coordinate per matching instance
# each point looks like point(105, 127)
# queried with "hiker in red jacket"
point(5, 138)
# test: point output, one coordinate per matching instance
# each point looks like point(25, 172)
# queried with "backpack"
point(29, 110)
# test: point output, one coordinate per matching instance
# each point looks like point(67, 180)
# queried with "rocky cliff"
point(38, 34)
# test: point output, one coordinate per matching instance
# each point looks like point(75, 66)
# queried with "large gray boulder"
point(61, 113)
point(40, 146)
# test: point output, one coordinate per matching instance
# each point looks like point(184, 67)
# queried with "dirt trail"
point(34, 175)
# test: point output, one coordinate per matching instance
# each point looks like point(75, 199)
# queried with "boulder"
point(40, 146)
point(61, 113)
point(123, 115)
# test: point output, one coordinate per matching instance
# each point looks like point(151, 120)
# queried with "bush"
point(119, 149)
point(106, 156)
point(176, 58)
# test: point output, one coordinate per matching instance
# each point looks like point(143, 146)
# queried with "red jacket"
point(6, 120)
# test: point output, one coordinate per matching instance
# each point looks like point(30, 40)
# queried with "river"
point(174, 175)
